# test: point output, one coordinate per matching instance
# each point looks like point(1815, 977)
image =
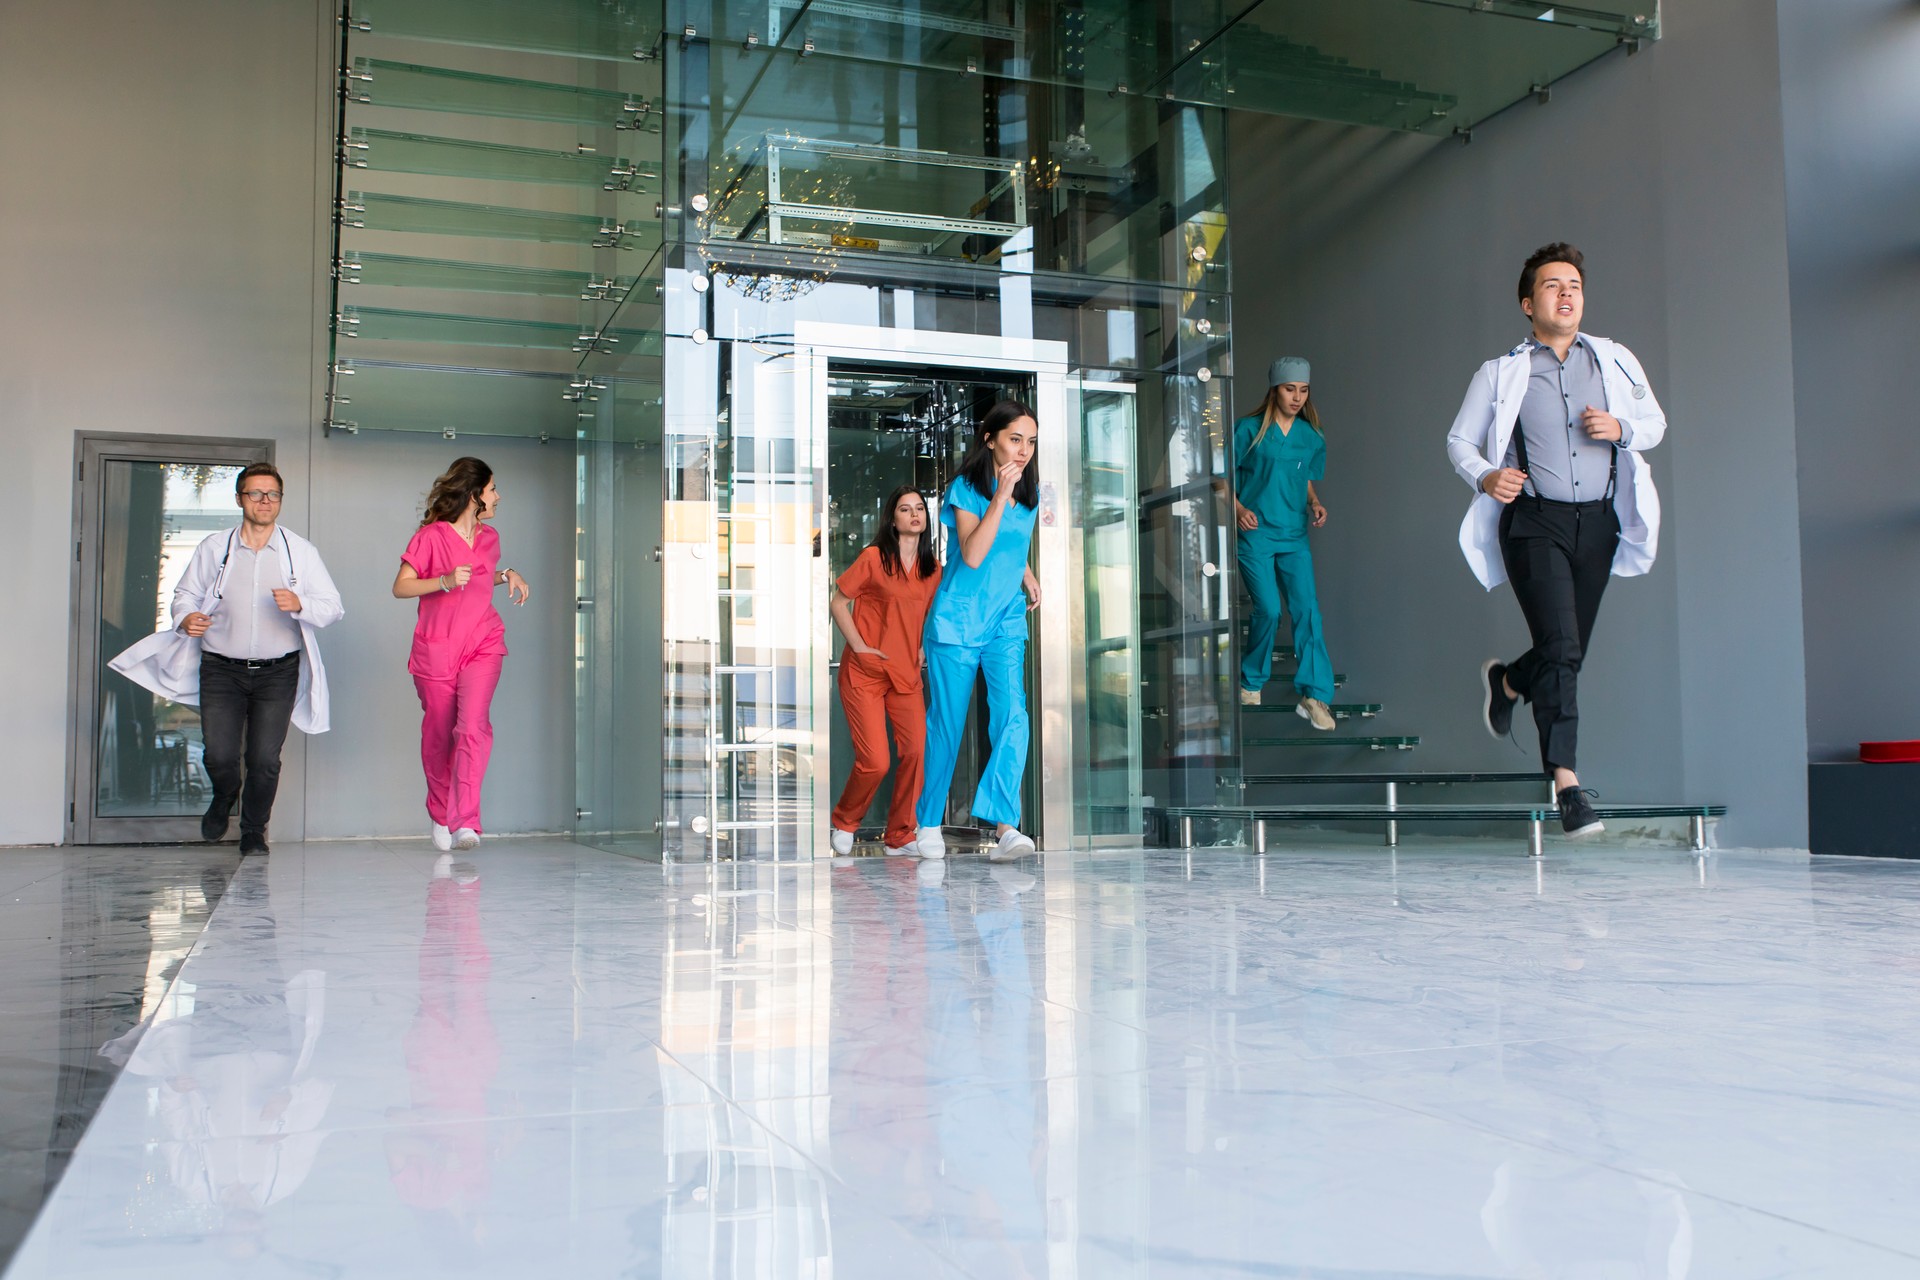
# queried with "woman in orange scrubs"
point(880, 604)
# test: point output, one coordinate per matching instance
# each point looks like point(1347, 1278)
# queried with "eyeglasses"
point(261, 495)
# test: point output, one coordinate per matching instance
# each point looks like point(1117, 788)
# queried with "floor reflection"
point(1447, 1063)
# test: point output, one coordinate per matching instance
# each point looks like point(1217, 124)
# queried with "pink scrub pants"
point(456, 739)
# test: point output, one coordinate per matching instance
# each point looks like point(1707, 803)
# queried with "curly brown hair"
point(458, 488)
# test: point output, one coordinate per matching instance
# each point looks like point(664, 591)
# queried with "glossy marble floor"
point(548, 1061)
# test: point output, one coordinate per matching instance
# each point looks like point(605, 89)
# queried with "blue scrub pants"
point(1271, 565)
point(950, 671)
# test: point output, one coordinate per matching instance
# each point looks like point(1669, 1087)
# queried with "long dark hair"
point(888, 539)
point(458, 488)
point(977, 468)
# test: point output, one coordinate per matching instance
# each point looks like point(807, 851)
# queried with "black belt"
point(1598, 504)
point(251, 664)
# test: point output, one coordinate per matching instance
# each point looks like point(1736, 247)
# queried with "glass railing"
point(479, 331)
point(398, 271)
point(615, 30)
point(390, 152)
point(380, 83)
point(453, 401)
point(377, 211)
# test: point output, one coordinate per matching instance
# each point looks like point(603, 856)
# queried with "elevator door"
point(890, 425)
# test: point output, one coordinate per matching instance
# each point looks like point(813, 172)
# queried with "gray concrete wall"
point(163, 243)
point(1851, 91)
point(1391, 263)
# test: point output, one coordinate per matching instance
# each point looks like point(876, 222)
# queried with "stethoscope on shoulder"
point(220, 577)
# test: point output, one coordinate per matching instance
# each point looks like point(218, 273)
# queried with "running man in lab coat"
point(242, 647)
point(1550, 437)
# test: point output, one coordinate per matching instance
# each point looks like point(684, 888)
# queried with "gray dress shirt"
point(1564, 463)
point(246, 621)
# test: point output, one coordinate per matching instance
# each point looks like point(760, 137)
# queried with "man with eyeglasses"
point(247, 607)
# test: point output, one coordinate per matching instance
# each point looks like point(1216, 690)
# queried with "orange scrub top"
point(888, 612)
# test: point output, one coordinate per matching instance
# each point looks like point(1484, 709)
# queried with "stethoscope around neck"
point(220, 579)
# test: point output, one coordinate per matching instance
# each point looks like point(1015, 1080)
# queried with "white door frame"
point(816, 344)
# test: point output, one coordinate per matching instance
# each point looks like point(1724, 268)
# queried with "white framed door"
point(817, 346)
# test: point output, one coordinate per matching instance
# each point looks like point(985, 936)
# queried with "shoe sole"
point(998, 854)
point(1486, 699)
point(1593, 828)
point(1307, 715)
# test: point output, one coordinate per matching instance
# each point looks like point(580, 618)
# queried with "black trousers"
point(244, 714)
point(1559, 557)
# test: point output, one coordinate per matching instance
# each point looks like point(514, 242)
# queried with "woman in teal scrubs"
point(978, 623)
point(1278, 452)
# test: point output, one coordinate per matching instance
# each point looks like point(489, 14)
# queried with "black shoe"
point(1577, 817)
point(252, 842)
point(213, 823)
point(1498, 711)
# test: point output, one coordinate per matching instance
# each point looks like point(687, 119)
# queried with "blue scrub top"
point(975, 605)
point(1271, 479)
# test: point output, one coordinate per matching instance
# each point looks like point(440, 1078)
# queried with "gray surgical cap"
point(1289, 369)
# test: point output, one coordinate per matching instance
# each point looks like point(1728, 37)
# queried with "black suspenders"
point(1613, 451)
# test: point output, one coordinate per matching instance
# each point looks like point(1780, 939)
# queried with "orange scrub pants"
point(871, 705)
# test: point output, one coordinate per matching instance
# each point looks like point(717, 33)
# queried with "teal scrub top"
point(975, 605)
point(1271, 479)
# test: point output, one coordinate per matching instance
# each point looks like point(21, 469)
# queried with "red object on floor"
point(1891, 752)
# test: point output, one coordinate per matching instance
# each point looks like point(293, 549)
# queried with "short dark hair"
point(257, 469)
point(1558, 251)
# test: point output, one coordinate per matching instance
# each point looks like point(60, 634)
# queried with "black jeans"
point(1559, 557)
point(246, 710)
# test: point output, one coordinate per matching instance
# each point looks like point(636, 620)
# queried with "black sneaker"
point(1497, 712)
point(252, 842)
point(213, 823)
point(1577, 817)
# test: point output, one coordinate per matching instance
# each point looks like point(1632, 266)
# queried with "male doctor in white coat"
point(1550, 437)
point(242, 647)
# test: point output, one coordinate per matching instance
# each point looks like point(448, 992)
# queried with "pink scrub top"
point(456, 626)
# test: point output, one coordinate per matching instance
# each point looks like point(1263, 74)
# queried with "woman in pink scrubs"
point(452, 566)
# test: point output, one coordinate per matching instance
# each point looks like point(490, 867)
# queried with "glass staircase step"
point(376, 211)
point(1436, 779)
point(379, 83)
point(1333, 740)
point(374, 395)
point(388, 151)
point(1341, 710)
point(399, 271)
point(610, 30)
point(382, 324)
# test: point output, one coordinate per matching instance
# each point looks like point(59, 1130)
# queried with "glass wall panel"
point(147, 749)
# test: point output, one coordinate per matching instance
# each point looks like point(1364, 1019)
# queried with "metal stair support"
point(1393, 782)
point(1535, 816)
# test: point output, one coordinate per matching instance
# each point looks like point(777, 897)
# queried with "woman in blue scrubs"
point(978, 623)
point(1278, 452)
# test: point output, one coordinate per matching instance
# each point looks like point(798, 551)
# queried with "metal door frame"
point(92, 450)
point(819, 343)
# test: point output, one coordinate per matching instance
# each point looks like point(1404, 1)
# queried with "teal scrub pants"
point(950, 671)
point(1272, 566)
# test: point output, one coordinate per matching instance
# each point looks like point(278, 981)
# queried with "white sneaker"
point(1249, 697)
point(842, 842)
point(442, 838)
point(931, 844)
point(1010, 846)
point(1013, 880)
point(904, 851)
point(466, 838)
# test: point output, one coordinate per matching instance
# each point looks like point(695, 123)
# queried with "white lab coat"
point(1478, 442)
point(168, 662)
